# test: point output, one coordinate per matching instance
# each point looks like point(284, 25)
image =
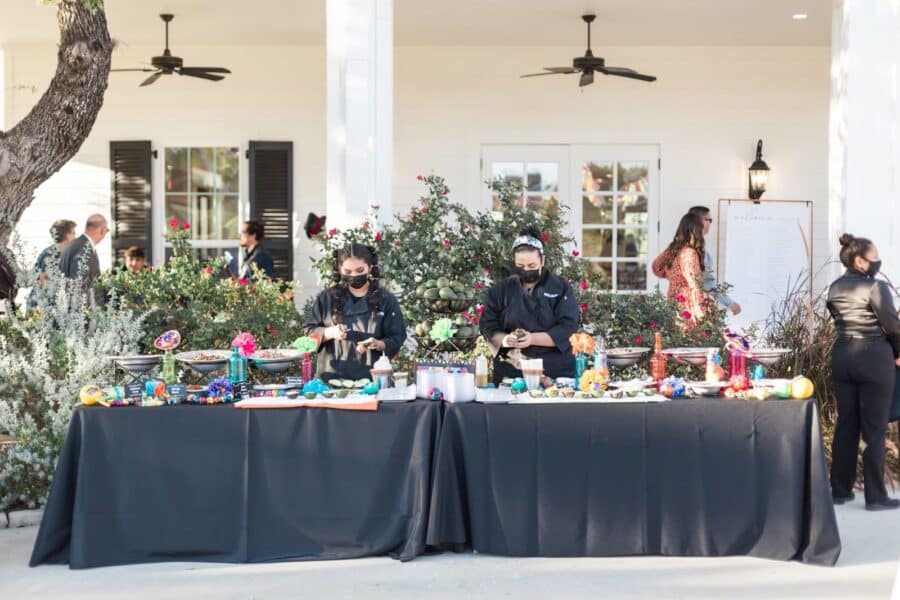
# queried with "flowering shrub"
point(203, 302)
point(45, 359)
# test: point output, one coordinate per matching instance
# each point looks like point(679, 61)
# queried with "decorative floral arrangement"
point(442, 330)
point(221, 388)
point(581, 343)
point(245, 343)
point(307, 344)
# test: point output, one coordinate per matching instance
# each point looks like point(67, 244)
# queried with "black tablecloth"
point(216, 483)
point(685, 478)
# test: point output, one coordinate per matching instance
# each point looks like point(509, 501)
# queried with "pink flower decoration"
point(681, 299)
point(583, 306)
point(419, 177)
point(479, 309)
point(446, 243)
point(186, 226)
point(686, 315)
point(479, 286)
point(638, 340)
point(173, 223)
point(245, 343)
point(332, 232)
point(378, 236)
point(576, 253)
point(583, 285)
point(243, 281)
point(653, 325)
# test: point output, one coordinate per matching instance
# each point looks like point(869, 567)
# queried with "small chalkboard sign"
point(177, 391)
point(242, 390)
point(134, 391)
point(293, 381)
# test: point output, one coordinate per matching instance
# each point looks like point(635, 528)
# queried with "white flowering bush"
point(45, 359)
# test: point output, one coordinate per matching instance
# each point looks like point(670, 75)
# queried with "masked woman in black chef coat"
point(357, 319)
point(537, 302)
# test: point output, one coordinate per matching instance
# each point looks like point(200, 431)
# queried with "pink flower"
point(397, 244)
point(446, 243)
point(681, 299)
point(245, 343)
point(243, 281)
point(544, 237)
point(487, 271)
point(576, 253)
point(419, 177)
point(332, 232)
point(474, 320)
point(583, 285)
point(479, 309)
point(686, 315)
point(583, 306)
point(173, 223)
point(653, 325)
point(707, 334)
point(207, 272)
point(365, 225)
point(638, 340)
point(186, 226)
point(479, 286)
point(378, 236)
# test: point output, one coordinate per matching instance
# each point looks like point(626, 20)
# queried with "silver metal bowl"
point(206, 364)
point(284, 360)
point(708, 388)
point(689, 356)
point(136, 364)
point(767, 356)
point(625, 357)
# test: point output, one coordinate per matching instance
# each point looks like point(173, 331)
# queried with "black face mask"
point(355, 281)
point(874, 267)
point(528, 275)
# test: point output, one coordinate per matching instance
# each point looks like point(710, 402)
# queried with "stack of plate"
point(625, 357)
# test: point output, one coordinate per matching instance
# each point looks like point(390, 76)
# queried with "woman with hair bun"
point(534, 312)
point(357, 319)
point(863, 362)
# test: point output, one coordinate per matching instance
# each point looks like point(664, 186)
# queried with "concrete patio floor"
point(867, 569)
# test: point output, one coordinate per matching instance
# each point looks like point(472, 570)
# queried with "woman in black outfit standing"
point(863, 366)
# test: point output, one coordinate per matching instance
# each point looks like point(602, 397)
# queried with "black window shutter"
point(132, 221)
point(272, 200)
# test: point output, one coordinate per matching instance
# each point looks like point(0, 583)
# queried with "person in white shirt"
point(710, 285)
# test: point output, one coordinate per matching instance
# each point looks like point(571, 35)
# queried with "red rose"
point(479, 286)
point(544, 237)
point(397, 244)
point(653, 325)
point(272, 331)
point(332, 232)
point(365, 225)
point(576, 253)
point(208, 271)
point(707, 334)
point(681, 299)
point(186, 226)
point(479, 309)
point(419, 177)
point(583, 285)
point(638, 340)
point(583, 307)
point(173, 223)
point(378, 236)
point(686, 315)
point(474, 320)
point(243, 281)
point(446, 243)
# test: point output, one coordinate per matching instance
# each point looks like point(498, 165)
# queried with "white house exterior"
point(379, 92)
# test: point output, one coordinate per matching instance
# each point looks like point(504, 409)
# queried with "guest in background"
point(683, 264)
point(252, 235)
point(8, 288)
point(863, 365)
point(530, 314)
point(78, 259)
point(61, 232)
point(709, 272)
point(135, 260)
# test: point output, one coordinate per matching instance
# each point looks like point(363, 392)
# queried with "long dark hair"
point(690, 235)
point(851, 247)
point(338, 288)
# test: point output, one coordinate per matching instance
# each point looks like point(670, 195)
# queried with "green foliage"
point(203, 302)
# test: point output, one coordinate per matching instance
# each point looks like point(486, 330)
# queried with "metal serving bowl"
point(280, 362)
point(689, 356)
point(203, 361)
point(625, 357)
point(136, 364)
point(767, 356)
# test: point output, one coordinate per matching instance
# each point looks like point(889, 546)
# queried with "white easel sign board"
point(765, 251)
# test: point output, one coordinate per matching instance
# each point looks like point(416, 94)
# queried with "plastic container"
point(458, 387)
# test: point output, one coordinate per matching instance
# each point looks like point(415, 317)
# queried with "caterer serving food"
point(357, 319)
point(531, 314)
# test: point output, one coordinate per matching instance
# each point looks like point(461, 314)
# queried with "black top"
point(339, 358)
point(550, 307)
point(260, 257)
point(863, 306)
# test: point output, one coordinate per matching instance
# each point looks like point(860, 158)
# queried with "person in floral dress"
point(682, 264)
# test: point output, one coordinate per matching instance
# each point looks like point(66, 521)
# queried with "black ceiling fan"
point(588, 64)
point(168, 64)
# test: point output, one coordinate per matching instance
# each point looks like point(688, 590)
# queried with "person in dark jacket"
point(78, 259)
point(533, 302)
point(863, 364)
point(252, 235)
point(357, 320)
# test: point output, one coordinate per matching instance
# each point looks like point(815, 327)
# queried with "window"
point(613, 200)
point(202, 188)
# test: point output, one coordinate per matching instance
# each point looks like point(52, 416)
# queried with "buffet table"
point(682, 478)
point(215, 483)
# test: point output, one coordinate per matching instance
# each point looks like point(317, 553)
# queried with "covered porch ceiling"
point(452, 22)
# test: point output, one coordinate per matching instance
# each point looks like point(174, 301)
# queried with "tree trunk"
point(51, 134)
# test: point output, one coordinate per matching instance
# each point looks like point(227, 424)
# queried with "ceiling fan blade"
point(135, 70)
point(561, 69)
point(539, 74)
point(629, 73)
point(202, 75)
point(152, 78)
point(206, 69)
point(587, 78)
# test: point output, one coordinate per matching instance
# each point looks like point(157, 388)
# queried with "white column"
point(359, 72)
point(864, 178)
point(5, 89)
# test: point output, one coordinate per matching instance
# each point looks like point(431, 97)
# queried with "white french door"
point(612, 191)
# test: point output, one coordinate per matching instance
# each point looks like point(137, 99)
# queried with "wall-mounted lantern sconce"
point(759, 175)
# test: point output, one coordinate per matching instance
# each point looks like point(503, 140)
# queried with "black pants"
point(863, 371)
